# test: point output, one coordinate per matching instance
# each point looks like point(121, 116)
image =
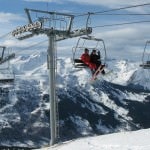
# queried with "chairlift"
point(6, 73)
point(5, 57)
point(146, 56)
point(90, 43)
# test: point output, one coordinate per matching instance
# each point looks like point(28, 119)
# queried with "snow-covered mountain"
point(118, 101)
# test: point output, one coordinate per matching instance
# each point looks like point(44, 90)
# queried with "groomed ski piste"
point(113, 103)
point(135, 140)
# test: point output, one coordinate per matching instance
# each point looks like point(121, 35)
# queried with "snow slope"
point(137, 140)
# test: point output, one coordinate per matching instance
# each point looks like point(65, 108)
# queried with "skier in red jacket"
point(85, 57)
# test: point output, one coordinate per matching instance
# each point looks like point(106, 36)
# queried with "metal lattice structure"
point(57, 26)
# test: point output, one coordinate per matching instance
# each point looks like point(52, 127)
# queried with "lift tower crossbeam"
point(57, 27)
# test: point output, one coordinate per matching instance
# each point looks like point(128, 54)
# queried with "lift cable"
point(123, 14)
point(5, 35)
point(115, 9)
point(119, 24)
point(122, 8)
point(31, 46)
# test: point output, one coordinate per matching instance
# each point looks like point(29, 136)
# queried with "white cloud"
point(8, 17)
point(15, 43)
point(126, 41)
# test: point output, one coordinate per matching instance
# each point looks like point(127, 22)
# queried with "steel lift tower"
point(57, 27)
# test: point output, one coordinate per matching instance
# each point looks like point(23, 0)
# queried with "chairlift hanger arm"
point(145, 64)
point(147, 42)
point(28, 15)
point(88, 18)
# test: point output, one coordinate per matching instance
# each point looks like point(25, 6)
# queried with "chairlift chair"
point(5, 57)
point(90, 43)
point(146, 56)
point(6, 73)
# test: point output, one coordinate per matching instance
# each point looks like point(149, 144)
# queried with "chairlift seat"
point(148, 62)
point(145, 66)
point(78, 63)
point(7, 80)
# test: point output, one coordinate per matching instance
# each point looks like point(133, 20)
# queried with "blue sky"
point(121, 41)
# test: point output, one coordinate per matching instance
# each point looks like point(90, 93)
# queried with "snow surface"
point(135, 140)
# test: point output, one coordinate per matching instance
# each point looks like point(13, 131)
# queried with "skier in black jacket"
point(95, 58)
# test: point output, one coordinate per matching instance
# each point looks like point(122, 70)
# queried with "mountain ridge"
point(113, 103)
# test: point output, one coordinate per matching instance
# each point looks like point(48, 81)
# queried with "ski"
point(98, 71)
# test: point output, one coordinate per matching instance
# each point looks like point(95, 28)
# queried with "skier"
point(85, 57)
point(95, 59)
